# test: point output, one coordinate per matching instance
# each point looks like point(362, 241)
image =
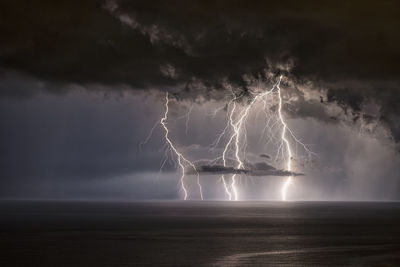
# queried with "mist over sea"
point(177, 233)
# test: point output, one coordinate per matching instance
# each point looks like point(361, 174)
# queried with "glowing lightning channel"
point(284, 140)
point(237, 128)
point(237, 120)
point(283, 137)
point(226, 150)
point(181, 159)
point(237, 131)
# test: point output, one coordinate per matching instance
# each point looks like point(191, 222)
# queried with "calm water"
point(199, 234)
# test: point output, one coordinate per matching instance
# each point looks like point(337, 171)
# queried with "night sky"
point(82, 83)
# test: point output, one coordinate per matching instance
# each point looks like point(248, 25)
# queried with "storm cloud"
point(61, 63)
point(256, 169)
point(350, 49)
point(128, 42)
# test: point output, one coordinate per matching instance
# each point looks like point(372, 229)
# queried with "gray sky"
point(82, 85)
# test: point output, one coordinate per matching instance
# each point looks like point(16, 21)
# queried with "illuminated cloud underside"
point(237, 139)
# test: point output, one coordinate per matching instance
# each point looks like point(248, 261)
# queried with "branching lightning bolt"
point(288, 149)
point(275, 130)
point(238, 127)
point(182, 161)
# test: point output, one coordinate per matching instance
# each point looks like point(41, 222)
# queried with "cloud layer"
point(341, 87)
point(203, 48)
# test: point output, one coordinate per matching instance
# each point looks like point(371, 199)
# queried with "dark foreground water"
point(199, 234)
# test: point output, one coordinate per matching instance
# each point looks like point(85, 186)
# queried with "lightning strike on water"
point(238, 127)
point(275, 130)
point(288, 149)
point(237, 131)
point(181, 159)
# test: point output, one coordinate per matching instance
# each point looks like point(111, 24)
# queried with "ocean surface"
point(40, 233)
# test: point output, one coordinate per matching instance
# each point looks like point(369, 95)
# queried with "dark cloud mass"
point(218, 169)
point(196, 46)
point(128, 41)
point(339, 60)
point(256, 169)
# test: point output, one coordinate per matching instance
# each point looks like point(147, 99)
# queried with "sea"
point(199, 233)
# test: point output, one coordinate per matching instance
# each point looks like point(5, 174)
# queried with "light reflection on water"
point(290, 257)
point(200, 234)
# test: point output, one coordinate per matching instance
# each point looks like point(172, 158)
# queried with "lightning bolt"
point(288, 149)
point(182, 161)
point(224, 153)
point(286, 143)
point(276, 129)
point(238, 126)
